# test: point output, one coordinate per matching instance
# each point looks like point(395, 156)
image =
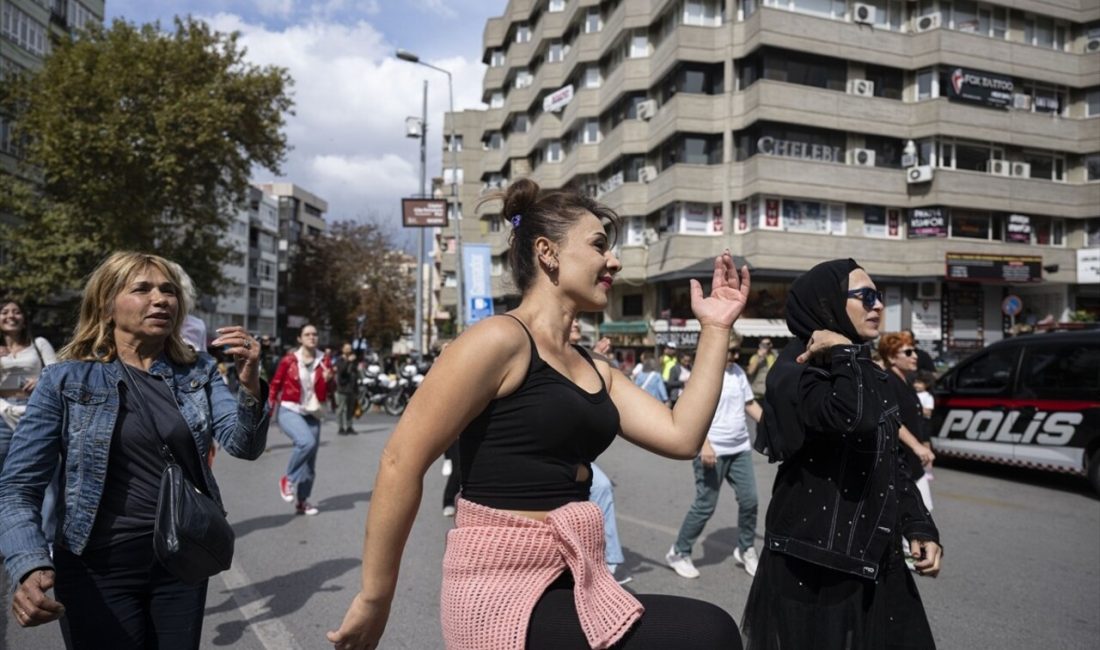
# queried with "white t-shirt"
point(729, 433)
point(17, 368)
point(926, 400)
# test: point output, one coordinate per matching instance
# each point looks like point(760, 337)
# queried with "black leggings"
point(668, 622)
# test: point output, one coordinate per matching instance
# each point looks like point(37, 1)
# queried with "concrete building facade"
point(951, 147)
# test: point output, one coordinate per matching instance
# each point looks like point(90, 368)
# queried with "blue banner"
point(477, 263)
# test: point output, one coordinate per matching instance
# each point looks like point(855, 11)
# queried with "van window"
point(1061, 371)
point(989, 373)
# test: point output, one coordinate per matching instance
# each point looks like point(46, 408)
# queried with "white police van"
point(1031, 400)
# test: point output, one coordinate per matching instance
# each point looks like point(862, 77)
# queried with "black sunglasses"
point(869, 297)
point(908, 352)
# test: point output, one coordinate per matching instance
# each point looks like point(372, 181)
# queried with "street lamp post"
point(460, 307)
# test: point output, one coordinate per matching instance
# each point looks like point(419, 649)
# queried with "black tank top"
point(522, 452)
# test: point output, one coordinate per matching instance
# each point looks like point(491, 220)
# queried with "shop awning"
point(625, 327)
point(700, 270)
point(754, 327)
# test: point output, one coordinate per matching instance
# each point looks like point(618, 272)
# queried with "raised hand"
point(246, 351)
point(728, 294)
point(363, 625)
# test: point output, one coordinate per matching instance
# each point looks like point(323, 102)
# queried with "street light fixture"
point(406, 55)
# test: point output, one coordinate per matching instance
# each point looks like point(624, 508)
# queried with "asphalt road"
point(1022, 565)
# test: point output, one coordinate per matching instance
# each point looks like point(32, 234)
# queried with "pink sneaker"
point(286, 489)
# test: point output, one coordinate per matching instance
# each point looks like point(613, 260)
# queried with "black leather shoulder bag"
point(191, 536)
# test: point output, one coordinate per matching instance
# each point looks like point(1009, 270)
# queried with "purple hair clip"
point(515, 220)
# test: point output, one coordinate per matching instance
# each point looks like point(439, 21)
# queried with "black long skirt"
point(796, 605)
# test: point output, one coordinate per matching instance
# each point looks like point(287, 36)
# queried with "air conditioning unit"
point(1021, 169)
point(1092, 45)
point(861, 87)
point(864, 14)
point(647, 174)
point(862, 157)
point(650, 236)
point(919, 174)
point(1000, 167)
point(928, 290)
point(647, 110)
point(1021, 102)
point(927, 22)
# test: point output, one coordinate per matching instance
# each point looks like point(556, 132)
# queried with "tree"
point(355, 269)
point(136, 139)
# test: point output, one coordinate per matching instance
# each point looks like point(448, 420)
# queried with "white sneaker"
point(749, 559)
point(448, 511)
point(681, 564)
point(448, 467)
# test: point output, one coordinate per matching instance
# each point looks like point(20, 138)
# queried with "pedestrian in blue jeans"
point(300, 390)
point(125, 366)
point(726, 455)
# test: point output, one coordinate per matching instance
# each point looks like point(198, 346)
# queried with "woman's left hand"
point(239, 343)
point(926, 555)
point(728, 294)
point(28, 386)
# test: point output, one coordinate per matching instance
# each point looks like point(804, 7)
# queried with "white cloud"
point(276, 8)
point(351, 100)
point(439, 7)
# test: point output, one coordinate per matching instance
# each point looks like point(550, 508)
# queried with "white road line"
point(271, 632)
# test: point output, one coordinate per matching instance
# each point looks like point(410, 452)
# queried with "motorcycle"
point(375, 386)
point(410, 378)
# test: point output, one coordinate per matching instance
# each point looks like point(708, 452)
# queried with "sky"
point(347, 136)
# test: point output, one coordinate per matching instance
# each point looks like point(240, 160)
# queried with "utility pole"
point(422, 132)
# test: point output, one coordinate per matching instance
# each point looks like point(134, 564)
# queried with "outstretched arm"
point(679, 433)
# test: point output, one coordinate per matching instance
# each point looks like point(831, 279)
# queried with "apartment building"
point(300, 214)
point(952, 147)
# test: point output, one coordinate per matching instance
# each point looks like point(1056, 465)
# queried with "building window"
point(748, 8)
point(889, 14)
point(1045, 166)
point(927, 84)
point(492, 141)
point(793, 67)
point(556, 52)
point(813, 217)
point(633, 305)
point(967, 224)
point(496, 99)
point(519, 123)
point(638, 45)
point(881, 222)
point(556, 6)
point(523, 33)
point(23, 30)
point(692, 149)
point(1049, 232)
point(455, 143)
point(496, 59)
point(889, 82)
point(592, 21)
point(552, 153)
point(830, 8)
point(706, 13)
point(695, 78)
point(590, 132)
point(1092, 102)
point(523, 78)
point(1092, 167)
point(1042, 31)
point(591, 77)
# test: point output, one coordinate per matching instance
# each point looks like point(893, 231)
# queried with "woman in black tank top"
point(531, 412)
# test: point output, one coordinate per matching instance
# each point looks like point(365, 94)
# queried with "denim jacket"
point(72, 415)
point(846, 495)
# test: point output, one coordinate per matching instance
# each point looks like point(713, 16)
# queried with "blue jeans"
point(602, 496)
point(737, 470)
point(305, 431)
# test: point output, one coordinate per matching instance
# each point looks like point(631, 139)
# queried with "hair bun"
point(521, 194)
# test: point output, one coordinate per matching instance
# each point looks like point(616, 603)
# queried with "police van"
point(1030, 400)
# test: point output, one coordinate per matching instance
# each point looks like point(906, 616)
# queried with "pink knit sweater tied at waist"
point(498, 565)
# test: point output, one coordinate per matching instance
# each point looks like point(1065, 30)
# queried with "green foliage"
point(137, 139)
point(355, 270)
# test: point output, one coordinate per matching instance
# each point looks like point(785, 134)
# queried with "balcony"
point(583, 159)
point(688, 113)
point(683, 182)
point(494, 78)
point(688, 43)
point(586, 103)
point(496, 30)
point(845, 40)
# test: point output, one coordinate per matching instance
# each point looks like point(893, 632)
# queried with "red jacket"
point(285, 386)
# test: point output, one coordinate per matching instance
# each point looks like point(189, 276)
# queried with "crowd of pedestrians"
point(520, 410)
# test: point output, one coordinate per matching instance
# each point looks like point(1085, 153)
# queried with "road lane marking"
point(271, 632)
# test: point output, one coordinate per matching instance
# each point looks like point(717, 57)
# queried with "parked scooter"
point(374, 385)
point(412, 374)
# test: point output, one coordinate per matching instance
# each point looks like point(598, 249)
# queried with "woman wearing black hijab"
point(831, 574)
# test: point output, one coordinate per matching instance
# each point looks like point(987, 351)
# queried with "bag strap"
point(41, 361)
point(151, 423)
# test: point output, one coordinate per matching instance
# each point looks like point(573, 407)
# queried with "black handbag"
point(191, 536)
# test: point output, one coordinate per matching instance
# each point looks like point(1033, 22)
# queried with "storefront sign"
point(558, 99)
point(1018, 228)
point(979, 87)
point(927, 325)
point(793, 149)
point(979, 267)
point(423, 213)
point(927, 222)
point(684, 333)
point(1088, 266)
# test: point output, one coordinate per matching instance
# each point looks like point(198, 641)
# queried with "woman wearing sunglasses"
point(900, 356)
point(832, 574)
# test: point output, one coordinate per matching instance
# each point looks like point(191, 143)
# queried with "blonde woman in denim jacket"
point(110, 592)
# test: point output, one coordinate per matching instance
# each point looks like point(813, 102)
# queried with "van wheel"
point(1094, 471)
